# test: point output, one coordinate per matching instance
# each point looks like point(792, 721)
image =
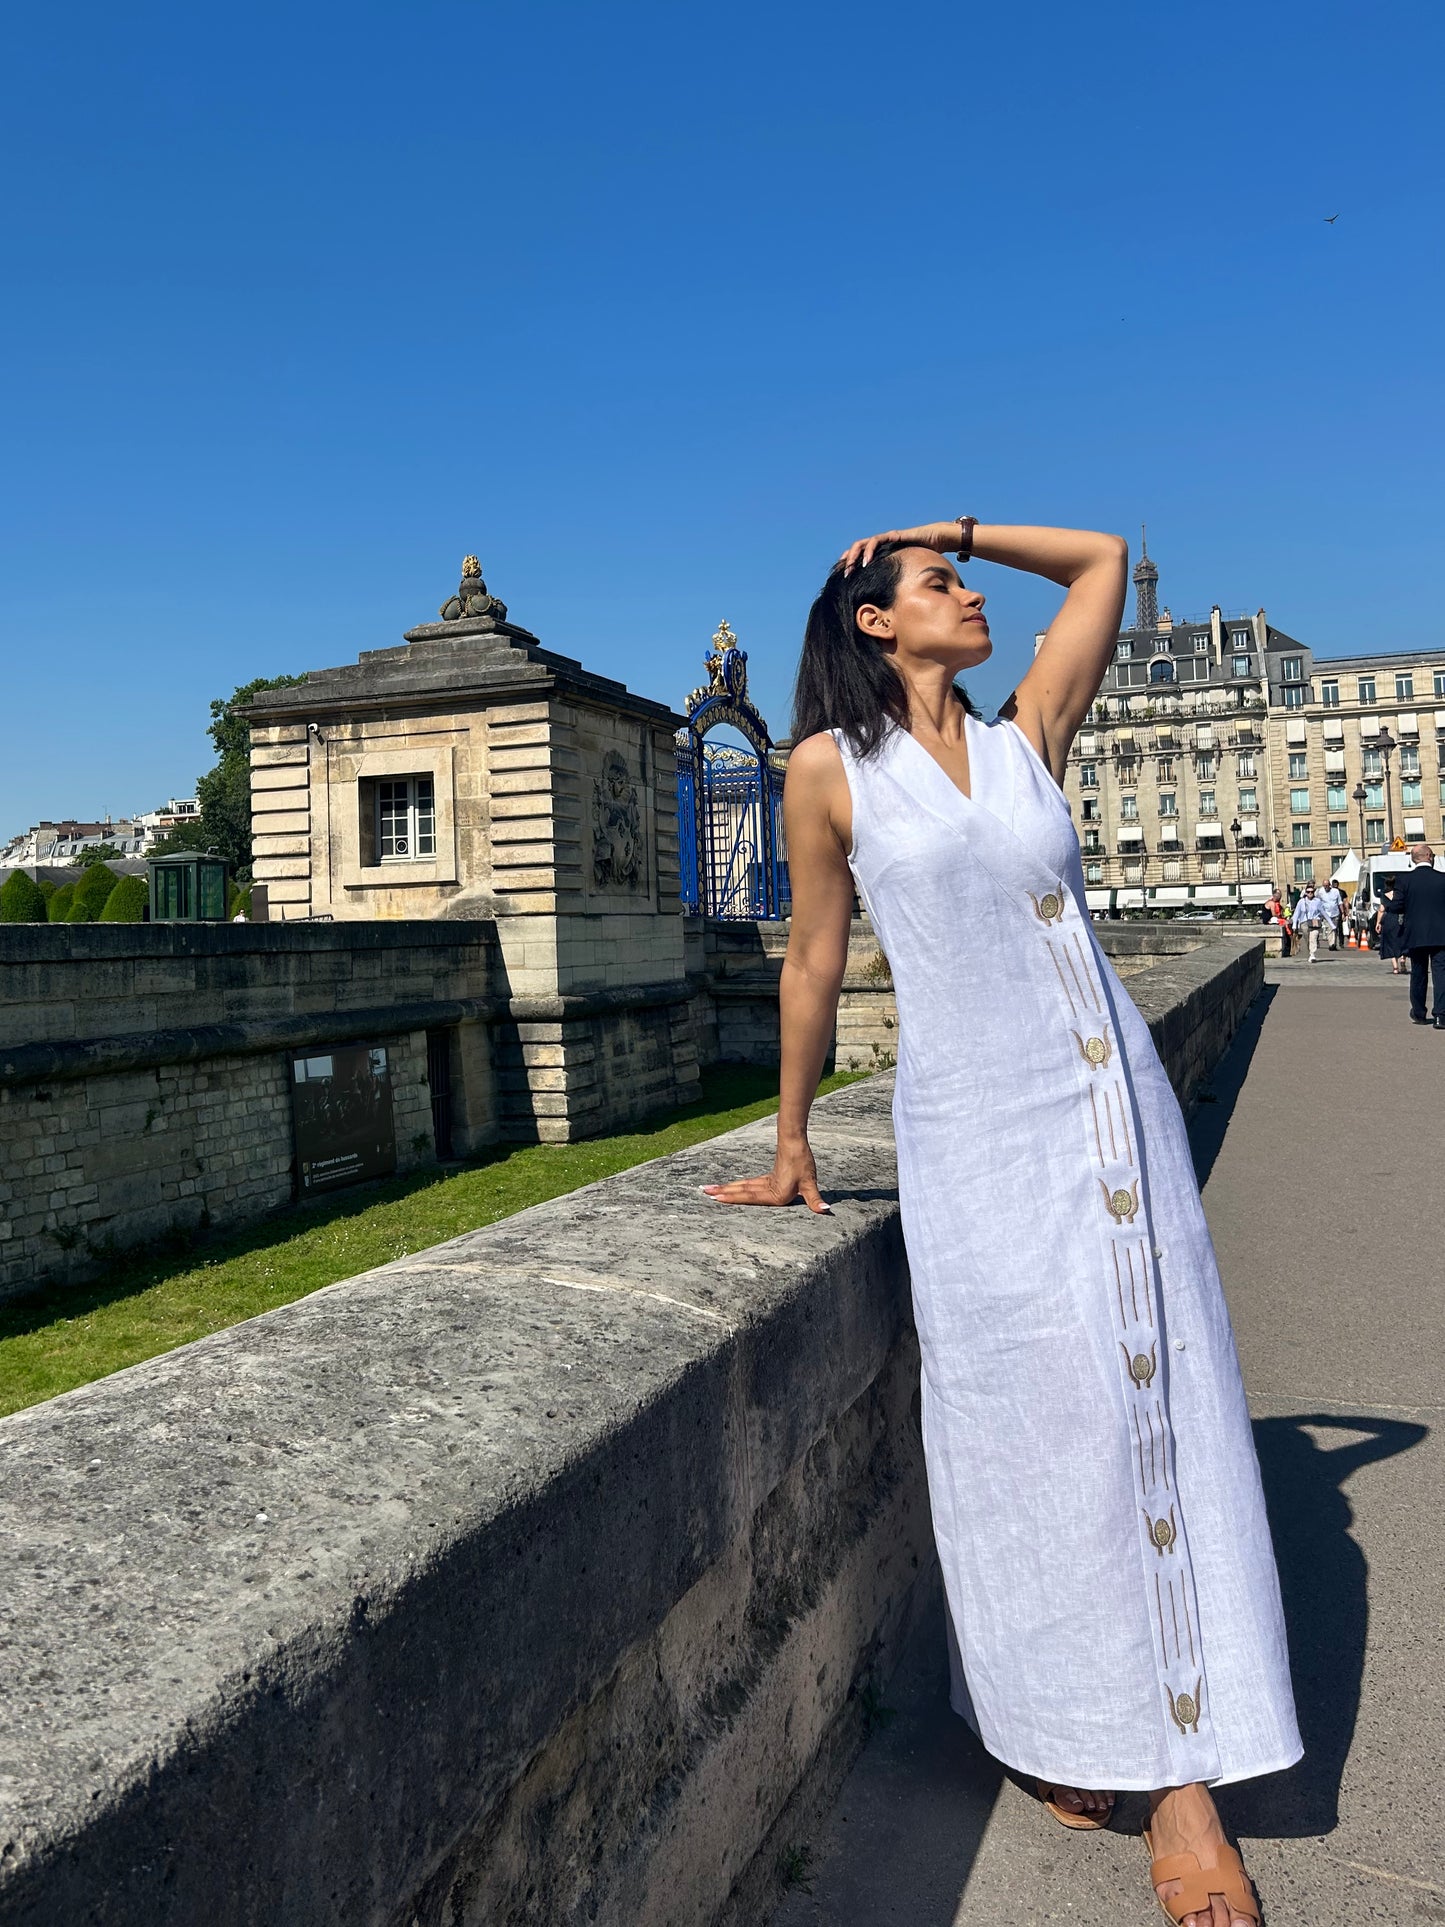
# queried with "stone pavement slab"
point(1321, 1157)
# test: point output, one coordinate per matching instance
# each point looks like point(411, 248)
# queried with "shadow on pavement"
point(1324, 1579)
point(1217, 1097)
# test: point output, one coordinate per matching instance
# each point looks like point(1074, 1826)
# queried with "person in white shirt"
point(1309, 917)
point(1332, 901)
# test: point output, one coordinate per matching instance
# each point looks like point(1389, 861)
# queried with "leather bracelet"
point(968, 523)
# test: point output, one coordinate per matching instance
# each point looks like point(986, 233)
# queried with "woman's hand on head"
point(794, 1175)
point(941, 537)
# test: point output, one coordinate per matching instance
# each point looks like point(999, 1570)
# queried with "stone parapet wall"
point(536, 1578)
point(545, 1576)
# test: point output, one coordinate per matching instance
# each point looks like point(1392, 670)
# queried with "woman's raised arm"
point(1053, 697)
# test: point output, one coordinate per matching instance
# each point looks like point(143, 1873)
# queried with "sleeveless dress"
point(1114, 1605)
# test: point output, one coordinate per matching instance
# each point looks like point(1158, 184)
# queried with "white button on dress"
point(1115, 1614)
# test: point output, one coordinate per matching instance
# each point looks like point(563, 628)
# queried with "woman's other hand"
point(794, 1175)
point(941, 537)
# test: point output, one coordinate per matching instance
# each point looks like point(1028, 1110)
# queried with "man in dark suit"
point(1421, 897)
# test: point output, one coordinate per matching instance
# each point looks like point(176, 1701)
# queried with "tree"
point(20, 900)
point(94, 887)
point(79, 912)
point(59, 905)
point(47, 888)
point(224, 793)
point(97, 853)
point(127, 902)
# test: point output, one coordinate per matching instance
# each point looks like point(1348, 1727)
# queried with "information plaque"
point(341, 1117)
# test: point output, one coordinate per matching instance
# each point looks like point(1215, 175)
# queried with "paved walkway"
point(1321, 1156)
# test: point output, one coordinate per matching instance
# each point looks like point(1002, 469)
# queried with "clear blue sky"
point(655, 306)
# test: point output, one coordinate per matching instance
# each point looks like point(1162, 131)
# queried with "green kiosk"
point(187, 887)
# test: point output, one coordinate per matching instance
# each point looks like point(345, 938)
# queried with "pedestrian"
point(1332, 904)
point(1114, 1605)
point(1309, 920)
point(1275, 913)
point(1420, 895)
point(1390, 926)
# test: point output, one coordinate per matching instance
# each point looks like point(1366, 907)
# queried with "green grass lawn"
point(150, 1302)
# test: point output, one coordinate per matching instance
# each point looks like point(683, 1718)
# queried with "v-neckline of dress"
point(964, 796)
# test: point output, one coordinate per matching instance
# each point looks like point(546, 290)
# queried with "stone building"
point(1357, 755)
point(470, 773)
point(1169, 778)
point(1223, 755)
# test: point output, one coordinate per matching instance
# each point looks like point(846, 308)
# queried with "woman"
point(1114, 1609)
point(1276, 914)
point(1390, 923)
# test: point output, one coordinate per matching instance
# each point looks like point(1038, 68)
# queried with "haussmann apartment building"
point(1222, 755)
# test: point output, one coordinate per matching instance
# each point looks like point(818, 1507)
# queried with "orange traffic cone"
point(1352, 942)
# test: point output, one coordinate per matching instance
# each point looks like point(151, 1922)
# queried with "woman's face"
point(934, 617)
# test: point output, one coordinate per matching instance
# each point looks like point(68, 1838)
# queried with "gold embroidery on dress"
point(1122, 1205)
point(1049, 909)
point(1095, 1051)
point(1162, 1532)
point(1185, 1709)
point(1142, 1369)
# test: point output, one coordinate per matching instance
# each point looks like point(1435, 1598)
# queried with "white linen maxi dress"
point(1095, 1494)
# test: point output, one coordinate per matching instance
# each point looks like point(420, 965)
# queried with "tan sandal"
point(1075, 1822)
point(1224, 1876)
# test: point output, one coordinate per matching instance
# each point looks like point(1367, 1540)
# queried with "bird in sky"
point(1330, 219)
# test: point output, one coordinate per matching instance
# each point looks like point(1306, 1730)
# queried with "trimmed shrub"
point(20, 900)
point(47, 888)
point(127, 902)
point(79, 912)
point(94, 887)
point(59, 905)
point(240, 903)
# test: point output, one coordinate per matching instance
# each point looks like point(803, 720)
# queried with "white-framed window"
point(1373, 762)
point(1412, 793)
point(1374, 829)
point(1409, 759)
point(1133, 871)
point(1124, 651)
point(1204, 768)
point(1213, 869)
point(1294, 696)
point(1292, 668)
point(1251, 865)
point(1129, 809)
point(406, 819)
point(1440, 682)
point(1365, 689)
point(1374, 796)
point(1207, 805)
point(1164, 771)
point(1330, 692)
point(1299, 765)
point(1404, 686)
point(1335, 794)
point(1245, 765)
point(1304, 869)
point(1299, 801)
point(1088, 776)
point(1248, 801)
point(1093, 873)
point(1299, 835)
point(1168, 803)
point(1339, 834)
point(1091, 840)
point(1090, 808)
point(1128, 772)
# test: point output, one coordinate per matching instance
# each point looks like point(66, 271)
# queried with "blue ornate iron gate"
point(730, 816)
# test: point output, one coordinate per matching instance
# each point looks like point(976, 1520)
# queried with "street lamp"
point(1234, 829)
point(1357, 795)
point(1386, 745)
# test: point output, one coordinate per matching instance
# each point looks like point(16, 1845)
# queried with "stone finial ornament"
point(471, 598)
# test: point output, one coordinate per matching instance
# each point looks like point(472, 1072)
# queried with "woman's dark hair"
point(845, 681)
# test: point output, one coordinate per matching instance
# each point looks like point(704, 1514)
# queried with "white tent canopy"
point(1348, 867)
